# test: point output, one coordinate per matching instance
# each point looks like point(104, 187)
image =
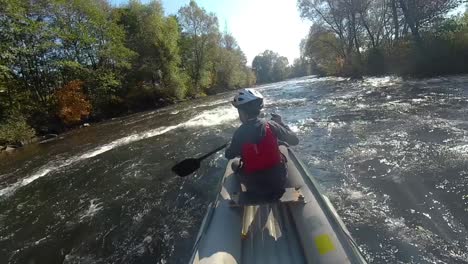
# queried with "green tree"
point(128, 58)
point(422, 13)
point(370, 36)
point(263, 66)
point(270, 67)
point(199, 40)
point(6, 100)
point(27, 46)
point(15, 130)
point(92, 49)
point(280, 69)
point(300, 67)
point(341, 18)
point(230, 65)
point(50, 42)
point(324, 49)
point(154, 38)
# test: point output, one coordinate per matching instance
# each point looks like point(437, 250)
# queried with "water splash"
point(94, 207)
point(209, 118)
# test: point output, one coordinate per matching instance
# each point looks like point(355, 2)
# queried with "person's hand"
point(277, 118)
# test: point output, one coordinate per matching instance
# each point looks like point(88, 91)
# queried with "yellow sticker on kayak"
point(324, 244)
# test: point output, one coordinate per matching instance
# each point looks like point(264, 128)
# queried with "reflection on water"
point(391, 153)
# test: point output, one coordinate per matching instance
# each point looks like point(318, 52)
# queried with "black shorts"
point(268, 181)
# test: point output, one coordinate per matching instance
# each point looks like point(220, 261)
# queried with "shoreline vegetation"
point(417, 38)
point(65, 64)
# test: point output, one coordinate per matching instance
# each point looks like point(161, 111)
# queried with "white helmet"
point(246, 96)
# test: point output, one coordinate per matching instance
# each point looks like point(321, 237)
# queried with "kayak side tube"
point(340, 231)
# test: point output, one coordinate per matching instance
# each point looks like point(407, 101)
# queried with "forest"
point(66, 62)
point(417, 38)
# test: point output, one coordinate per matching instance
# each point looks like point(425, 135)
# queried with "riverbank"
point(134, 65)
point(60, 129)
point(53, 131)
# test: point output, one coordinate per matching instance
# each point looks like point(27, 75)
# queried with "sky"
point(257, 25)
point(460, 10)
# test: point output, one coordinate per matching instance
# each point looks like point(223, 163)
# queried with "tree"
point(374, 16)
point(89, 35)
point(15, 130)
point(422, 13)
point(6, 100)
point(324, 50)
point(27, 45)
point(395, 19)
point(352, 37)
point(280, 69)
point(154, 38)
point(92, 49)
point(301, 67)
point(270, 67)
point(229, 65)
point(263, 66)
point(249, 77)
point(73, 106)
point(200, 35)
point(51, 42)
point(341, 18)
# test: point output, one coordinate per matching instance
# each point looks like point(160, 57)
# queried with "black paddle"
point(189, 166)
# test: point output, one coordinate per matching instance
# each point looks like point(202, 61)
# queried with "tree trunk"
point(411, 20)
point(355, 36)
point(405, 29)
point(371, 36)
point(396, 24)
point(10, 97)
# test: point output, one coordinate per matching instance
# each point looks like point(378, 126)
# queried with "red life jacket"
point(262, 156)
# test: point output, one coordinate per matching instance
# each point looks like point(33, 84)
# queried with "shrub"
point(145, 96)
point(15, 131)
point(73, 105)
point(375, 61)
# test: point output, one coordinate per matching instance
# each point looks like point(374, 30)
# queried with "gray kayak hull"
point(281, 232)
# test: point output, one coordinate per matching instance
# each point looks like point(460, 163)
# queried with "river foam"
point(209, 118)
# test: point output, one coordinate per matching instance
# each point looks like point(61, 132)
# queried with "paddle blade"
point(186, 167)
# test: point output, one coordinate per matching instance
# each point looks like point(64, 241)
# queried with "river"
point(391, 154)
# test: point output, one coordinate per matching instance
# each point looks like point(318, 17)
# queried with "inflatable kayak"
point(301, 227)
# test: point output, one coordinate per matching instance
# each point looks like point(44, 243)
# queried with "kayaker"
point(262, 168)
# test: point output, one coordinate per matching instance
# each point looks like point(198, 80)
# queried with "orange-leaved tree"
point(73, 106)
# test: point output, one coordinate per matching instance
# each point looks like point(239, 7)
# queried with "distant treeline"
point(64, 62)
point(375, 37)
point(271, 67)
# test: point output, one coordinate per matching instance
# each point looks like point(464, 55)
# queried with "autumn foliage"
point(73, 106)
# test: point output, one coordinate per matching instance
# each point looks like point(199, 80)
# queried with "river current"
point(391, 154)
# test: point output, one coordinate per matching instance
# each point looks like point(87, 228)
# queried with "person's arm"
point(282, 131)
point(234, 149)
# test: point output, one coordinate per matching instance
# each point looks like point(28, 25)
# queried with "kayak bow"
point(301, 227)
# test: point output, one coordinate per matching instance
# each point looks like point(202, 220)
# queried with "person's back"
point(263, 167)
